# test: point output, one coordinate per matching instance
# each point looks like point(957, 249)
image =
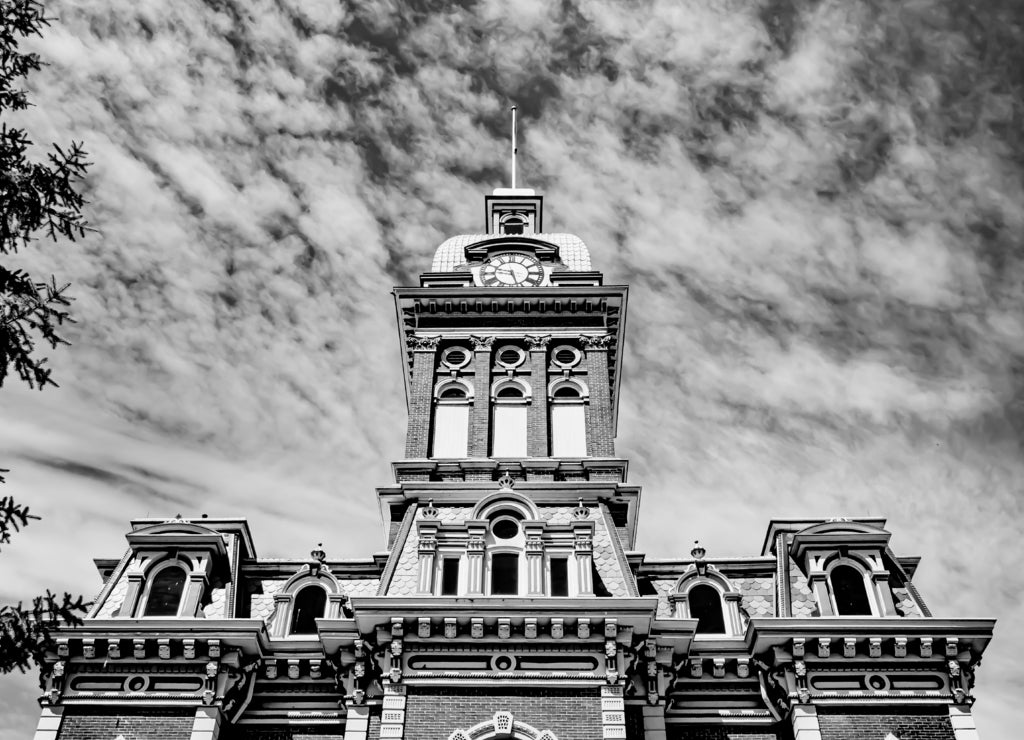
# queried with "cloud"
point(817, 207)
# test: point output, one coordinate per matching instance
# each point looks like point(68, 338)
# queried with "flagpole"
point(515, 149)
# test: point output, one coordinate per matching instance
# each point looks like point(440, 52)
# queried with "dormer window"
point(310, 604)
point(706, 607)
point(165, 592)
point(848, 592)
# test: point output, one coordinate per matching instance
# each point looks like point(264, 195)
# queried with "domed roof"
point(571, 249)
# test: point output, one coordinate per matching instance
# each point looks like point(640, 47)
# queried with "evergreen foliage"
point(35, 197)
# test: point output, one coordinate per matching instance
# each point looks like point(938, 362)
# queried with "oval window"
point(505, 529)
point(566, 356)
point(510, 357)
point(455, 357)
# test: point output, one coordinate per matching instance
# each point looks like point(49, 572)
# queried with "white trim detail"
point(502, 726)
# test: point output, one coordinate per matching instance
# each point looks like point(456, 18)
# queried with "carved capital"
point(419, 343)
point(537, 342)
point(481, 343)
point(596, 343)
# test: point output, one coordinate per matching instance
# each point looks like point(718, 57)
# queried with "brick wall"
point(906, 724)
point(600, 440)
point(730, 733)
point(480, 413)
point(572, 714)
point(421, 400)
point(92, 723)
point(537, 413)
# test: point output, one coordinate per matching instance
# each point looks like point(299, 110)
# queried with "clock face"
point(511, 269)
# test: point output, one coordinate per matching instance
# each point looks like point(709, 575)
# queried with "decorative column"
point(583, 546)
point(880, 584)
point(732, 608)
point(599, 411)
point(135, 577)
point(428, 553)
point(194, 591)
point(480, 414)
point(475, 559)
point(805, 722)
point(421, 394)
point(817, 581)
point(537, 444)
point(534, 558)
point(392, 716)
point(279, 622)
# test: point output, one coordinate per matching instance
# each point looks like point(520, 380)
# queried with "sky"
point(818, 207)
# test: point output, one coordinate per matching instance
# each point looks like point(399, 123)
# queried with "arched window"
point(848, 591)
point(508, 422)
point(568, 421)
point(310, 604)
point(451, 420)
point(165, 591)
point(706, 607)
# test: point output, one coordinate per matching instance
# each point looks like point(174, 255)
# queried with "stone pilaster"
point(427, 557)
point(534, 564)
point(480, 414)
point(654, 722)
point(132, 596)
point(48, 727)
point(475, 561)
point(194, 590)
point(537, 444)
point(584, 547)
point(206, 725)
point(963, 723)
point(805, 723)
point(613, 713)
point(357, 722)
point(392, 716)
point(598, 412)
point(421, 394)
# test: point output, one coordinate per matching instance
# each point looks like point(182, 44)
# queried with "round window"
point(565, 356)
point(505, 528)
point(455, 357)
point(510, 356)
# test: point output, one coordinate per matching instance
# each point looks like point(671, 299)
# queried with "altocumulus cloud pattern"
point(817, 205)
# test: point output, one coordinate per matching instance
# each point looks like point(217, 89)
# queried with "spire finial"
point(515, 147)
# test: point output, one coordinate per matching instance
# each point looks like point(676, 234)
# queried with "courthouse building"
point(511, 599)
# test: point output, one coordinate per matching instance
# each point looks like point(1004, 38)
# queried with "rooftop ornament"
point(698, 553)
point(506, 482)
point(317, 557)
point(430, 511)
point(581, 511)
